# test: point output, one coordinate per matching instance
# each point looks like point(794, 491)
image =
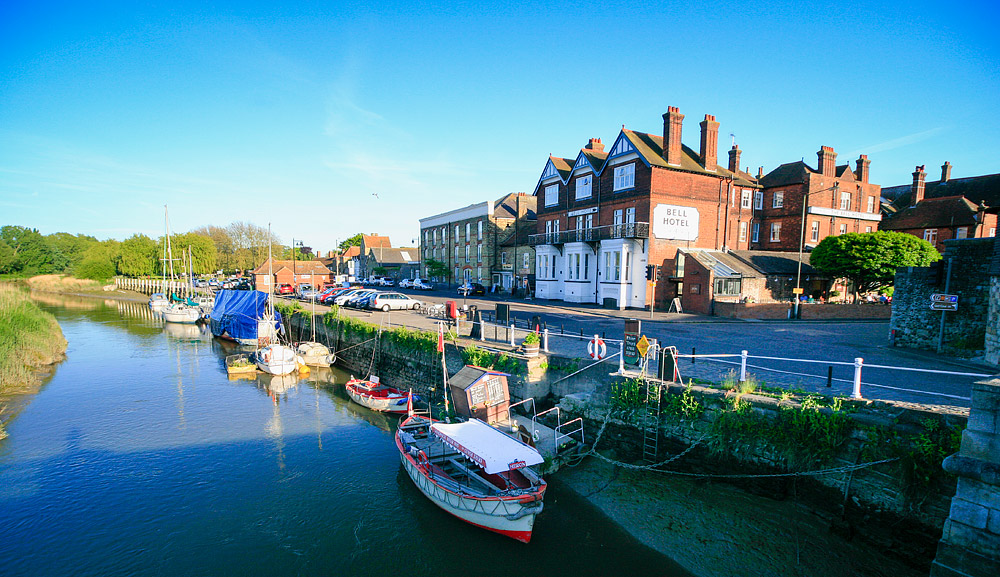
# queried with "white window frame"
point(612, 266)
point(468, 232)
point(745, 198)
point(962, 232)
point(624, 177)
point(779, 199)
point(845, 200)
point(930, 235)
point(775, 232)
point(525, 266)
point(584, 186)
point(871, 204)
point(843, 229)
point(743, 231)
point(552, 195)
point(467, 251)
point(758, 200)
point(479, 232)
point(755, 232)
point(503, 257)
point(479, 253)
point(814, 231)
point(868, 229)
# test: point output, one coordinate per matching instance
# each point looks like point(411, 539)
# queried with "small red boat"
point(378, 397)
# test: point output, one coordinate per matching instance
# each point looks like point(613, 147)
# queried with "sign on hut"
point(480, 393)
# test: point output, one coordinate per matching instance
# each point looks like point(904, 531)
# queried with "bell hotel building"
point(649, 200)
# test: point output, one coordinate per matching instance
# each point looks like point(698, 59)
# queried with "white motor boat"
point(158, 301)
point(276, 359)
point(315, 354)
point(181, 313)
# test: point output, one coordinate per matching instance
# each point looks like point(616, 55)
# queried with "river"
point(139, 456)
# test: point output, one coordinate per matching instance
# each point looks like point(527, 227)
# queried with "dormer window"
point(552, 195)
point(584, 185)
point(625, 177)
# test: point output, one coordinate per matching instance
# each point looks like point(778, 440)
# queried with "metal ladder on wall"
point(651, 418)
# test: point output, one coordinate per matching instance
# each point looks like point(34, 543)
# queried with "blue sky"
point(327, 119)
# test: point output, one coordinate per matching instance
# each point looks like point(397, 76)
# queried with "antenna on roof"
point(733, 136)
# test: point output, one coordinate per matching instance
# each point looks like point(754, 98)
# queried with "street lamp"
point(295, 246)
point(797, 294)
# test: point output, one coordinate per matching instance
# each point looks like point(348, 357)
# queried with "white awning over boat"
point(494, 451)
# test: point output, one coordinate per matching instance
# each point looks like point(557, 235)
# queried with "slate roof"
point(722, 264)
point(596, 159)
point(933, 213)
point(392, 256)
point(506, 206)
point(977, 189)
point(563, 165)
point(788, 173)
point(773, 262)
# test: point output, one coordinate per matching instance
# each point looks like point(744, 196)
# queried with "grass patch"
point(63, 284)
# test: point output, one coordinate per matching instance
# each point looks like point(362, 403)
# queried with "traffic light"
point(650, 270)
point(659, 272)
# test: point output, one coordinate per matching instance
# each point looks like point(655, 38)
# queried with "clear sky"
point(328, 119)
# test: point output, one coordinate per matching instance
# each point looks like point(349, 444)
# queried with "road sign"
point(642, 346)
point(944, 306)
point(633, 328)
point(943, 298)
point(797, 291)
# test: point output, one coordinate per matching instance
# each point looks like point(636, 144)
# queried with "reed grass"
point(29, 338)
point(62, 284)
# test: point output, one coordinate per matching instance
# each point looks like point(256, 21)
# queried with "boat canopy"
point(492, 450)
point(237, 312)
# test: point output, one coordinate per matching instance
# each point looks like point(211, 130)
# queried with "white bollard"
point(512, 334)
point(545, 340)
point(743, 366)
point(856, 393)
point(621, 357)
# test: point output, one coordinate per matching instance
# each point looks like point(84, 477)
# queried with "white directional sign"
point(944, 306)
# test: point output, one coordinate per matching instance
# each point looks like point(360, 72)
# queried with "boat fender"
point(267, 356)
point(535, 435)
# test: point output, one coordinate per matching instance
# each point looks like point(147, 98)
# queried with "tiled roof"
point(933, 213)
point(352, 251)
point(844, 170)
point(506, 206)
point(563, 165)
point(300, 267)
point(596, 159)
point(403, 255)
point(977, 189)
point(773, 262)
point(374, 240)
point(650, 147)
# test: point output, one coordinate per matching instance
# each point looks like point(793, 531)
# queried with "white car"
point(393, 301)
point(421, 285)
point(405, 283)
point(346, 295)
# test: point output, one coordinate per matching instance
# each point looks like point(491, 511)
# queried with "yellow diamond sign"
point(642, 346)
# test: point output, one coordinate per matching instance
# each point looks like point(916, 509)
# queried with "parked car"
point(405, 283)
point(284, 289)
point(365, 301)
point(422, 285)
point(308, 294)
point(471, 289)
point(329, 296)
point(341, 299)
point(355, 300)
point(393, 301)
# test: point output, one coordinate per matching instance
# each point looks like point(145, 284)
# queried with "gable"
point(550, 170)
point(622, 146)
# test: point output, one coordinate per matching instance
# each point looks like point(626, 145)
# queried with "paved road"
point(814, 340)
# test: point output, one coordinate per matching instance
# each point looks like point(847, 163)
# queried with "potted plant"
point(530, 344)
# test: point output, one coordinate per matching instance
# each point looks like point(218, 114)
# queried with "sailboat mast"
point(163, 261)
point(170, 251)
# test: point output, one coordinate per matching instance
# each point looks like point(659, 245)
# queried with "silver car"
point(393, 301)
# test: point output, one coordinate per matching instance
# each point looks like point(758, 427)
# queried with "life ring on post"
point(597, 349)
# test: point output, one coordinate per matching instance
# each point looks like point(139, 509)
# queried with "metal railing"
point(608, 232)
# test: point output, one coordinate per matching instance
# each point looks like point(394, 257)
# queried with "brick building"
point(603, 216)
point(295, 273)
point(946, 209)
point(838, 200)
point(467, 240)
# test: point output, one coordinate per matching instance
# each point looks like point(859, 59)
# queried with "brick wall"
point(807, 311)
point(918, 327)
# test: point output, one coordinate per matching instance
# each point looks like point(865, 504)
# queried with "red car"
point(284, 289)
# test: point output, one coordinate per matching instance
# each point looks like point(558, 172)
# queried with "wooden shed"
point(480, 393)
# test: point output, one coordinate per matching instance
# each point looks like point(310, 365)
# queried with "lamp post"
point(295, 247)
point(802, 239)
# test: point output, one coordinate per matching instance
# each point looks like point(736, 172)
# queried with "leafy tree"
point(436, 268)
point(870, 259)
point(203, 251)
point(100, 260)
point(71, 246)
point(139, 256)
point(352, 241)
point(6, 258)
point(32, 253)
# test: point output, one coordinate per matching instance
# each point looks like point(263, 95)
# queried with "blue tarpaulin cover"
point(236, 313)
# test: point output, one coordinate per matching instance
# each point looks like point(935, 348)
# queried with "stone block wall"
point(993, 323)
point(917, 326)
point(807, 311)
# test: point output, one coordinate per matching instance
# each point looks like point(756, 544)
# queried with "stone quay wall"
point(917, 326)
point(992, 340)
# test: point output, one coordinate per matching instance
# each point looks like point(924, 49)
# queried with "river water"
point(139, 456)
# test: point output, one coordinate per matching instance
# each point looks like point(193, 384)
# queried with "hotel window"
point(845, 201)
point(479, 253)
point(743, 232)
point(775, 231)
point(962, 232)
point(584, 186)
point(868, 229)
point(930, 235)
point(435, 253)
point(612, 266)
point(479, 234)
point(745, 198)
point(468, 231)
point(456, 254)
point(630, 215)
point(586, 266)
point(444, 235)
point(466, 254)
point(814, 231)
point(435, 236)
point(553, 266)
point(525, 265)
point(779, 200)
point(456, 234)
point(624, 177)
point(590, 221)
point(755, 235)
point(758, 199)
point(552, 195)
point(871, 204)
point(843, 229)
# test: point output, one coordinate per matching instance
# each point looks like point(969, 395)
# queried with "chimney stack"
point(595, 145)
point(709, 142)
point(917, 190)
point(672, 122)
point(734, 158)
point(862, 172)
point(827, 161)
point(945, 172)
point(760, 172)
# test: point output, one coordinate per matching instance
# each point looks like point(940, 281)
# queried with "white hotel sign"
point(675, 222)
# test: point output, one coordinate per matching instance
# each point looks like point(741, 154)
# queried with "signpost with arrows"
point(943, 302)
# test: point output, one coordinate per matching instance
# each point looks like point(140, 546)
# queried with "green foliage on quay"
point(403, 338)
point(474, 355)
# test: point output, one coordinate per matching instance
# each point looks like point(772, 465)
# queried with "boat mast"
point(170, 251)
point(163, 261)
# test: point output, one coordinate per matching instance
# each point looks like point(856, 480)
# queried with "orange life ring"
point(422, 458)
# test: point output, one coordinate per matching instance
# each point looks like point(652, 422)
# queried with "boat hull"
point(507, 516)
point(276, 360)
point(396, 405)
point(187, 315)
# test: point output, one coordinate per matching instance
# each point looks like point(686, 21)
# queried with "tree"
point(203, 251)
point(100, 260)
point(435, 268)
point(870, 259)
point(139, 256)
point(6, 258)
point(71, 246)
point(352, 241)
point(32, 252)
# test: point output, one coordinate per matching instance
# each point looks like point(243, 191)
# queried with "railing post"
point(511, 334)
point(621, 357)
point(743, 366)
point(856, 393)
point(545, 340)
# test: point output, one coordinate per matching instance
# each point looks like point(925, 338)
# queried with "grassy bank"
point(29, 338)
point(58, 283)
